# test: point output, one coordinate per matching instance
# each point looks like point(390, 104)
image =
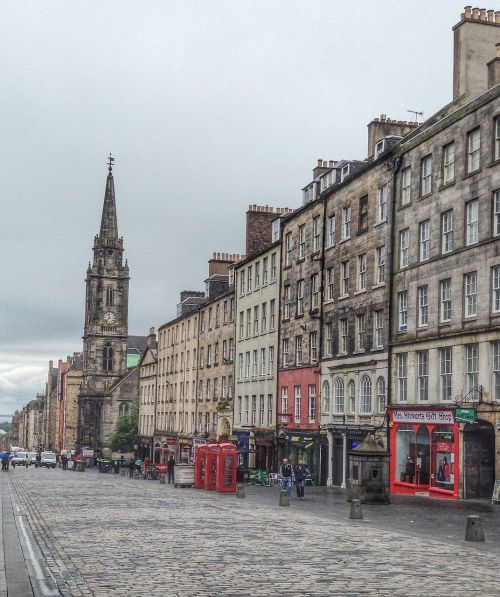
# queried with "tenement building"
point(147, 396)
point(445, 366)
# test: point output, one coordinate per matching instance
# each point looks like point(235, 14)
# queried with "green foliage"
point(5, 426)
point(124, 436)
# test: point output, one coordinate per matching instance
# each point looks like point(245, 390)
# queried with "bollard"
point(356, 512)
point(122, 473)
point(240, 490)
point(162, 480)
point(474, 529)
point(284, 498)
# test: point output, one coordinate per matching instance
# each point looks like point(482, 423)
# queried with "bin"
point(227, 463)
point(104, 466)
point(184, 475)
point(211, 466)
point(200, 462)
point(81, 466)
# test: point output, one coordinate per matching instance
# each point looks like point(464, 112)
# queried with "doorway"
point(479, 459)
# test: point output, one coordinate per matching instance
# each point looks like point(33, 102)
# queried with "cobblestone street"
point(108, 535)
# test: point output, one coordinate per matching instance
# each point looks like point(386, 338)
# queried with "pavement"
point(105, 535)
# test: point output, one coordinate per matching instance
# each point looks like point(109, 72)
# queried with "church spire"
point(109, 225)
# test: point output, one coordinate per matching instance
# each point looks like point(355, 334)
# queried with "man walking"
point(300, 472)
point(286, 472)
point(171, 468)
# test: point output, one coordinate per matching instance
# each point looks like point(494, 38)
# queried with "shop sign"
point(301, 439)
point(87, 453)
point(443, 417)
point(233, 438)
point(465, 415)
point(171, 442)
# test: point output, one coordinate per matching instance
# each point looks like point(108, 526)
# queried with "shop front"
point(424, 446)
point(264, 449)
point(310, 447)
point(241, 438)
point(345, 438)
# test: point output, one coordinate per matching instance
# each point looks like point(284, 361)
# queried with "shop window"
point(406, 440)
point(443, 457)
point(422, 457)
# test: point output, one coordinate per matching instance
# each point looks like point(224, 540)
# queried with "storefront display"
point(424, 451)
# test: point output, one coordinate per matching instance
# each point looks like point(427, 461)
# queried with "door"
point(338, 456)
point(479, 459)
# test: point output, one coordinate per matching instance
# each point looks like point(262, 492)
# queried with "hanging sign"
point(465, 415)
point(444, 417)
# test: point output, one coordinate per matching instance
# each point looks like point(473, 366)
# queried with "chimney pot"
point(475, 13)
point(319, 163)
point(482, 14)
point(491, 16)
point(497, 16)
point(497, 46)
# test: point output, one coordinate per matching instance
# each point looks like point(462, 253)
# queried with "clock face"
point(109, 317)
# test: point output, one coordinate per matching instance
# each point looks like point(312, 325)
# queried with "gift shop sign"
point(444, 417)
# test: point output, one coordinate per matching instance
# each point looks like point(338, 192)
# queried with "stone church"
point(110, 356)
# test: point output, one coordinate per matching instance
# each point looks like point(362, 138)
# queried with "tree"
point(124, 436)
point(5, 426)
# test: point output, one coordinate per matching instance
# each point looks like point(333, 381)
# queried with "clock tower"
point(105, 334)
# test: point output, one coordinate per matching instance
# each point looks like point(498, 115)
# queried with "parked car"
point(48, 460)
point(32, 457)
point(20, 459)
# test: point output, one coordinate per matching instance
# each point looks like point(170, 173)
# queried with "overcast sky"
point(208, 106)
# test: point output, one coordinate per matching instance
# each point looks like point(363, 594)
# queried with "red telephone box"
point(200, 463)
point(211, 466)
point(227, 462)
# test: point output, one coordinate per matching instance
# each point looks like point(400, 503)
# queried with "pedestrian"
point(64, 462)
point(300, 473)
point(38, 460)
point(171, 468)
point(131, 467)
point(286, 472)
point(138, 464)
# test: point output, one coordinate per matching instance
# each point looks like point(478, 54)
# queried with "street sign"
point(465, 415)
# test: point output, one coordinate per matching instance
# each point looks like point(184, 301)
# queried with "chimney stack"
point(494, 68)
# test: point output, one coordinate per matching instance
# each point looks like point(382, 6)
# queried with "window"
point(209, 355)
point(296, 414)
point(300, 297)
point(382, 194)
point(265, 263)
point(288, 249)
point(247, 419)
point(109, 296)
point(316, 234)
point(284, 403)
point(270, 370)
point(496, 213)
point(262, 409)
point(362, 272)
point(247, 364)
point(495, 289)
point(298, 350)
point(276, 230)
point(313, 346)
point(448, 163)
point(263, 361)
point(339, 395)
point(378, 329)
point(381, 264)
point(363, 214)
point(423, 305)
point(403, 310)
point(302, 241)
point(272, 310)
point(343, 327)
point(345, 278)
point(423, 375)
point(257, 274)
point(474, 150)
point(249, 323)
point(445, 372)
point(242, 324)
point(273, 267)
point(249, 278)
point(329, 284)
point(426, 175)
point(404, 247)
point(209, 389)
point(344, 172)
point(330, 237)
point(107, 357)
point(472, 222)
point(365, 394)
point(255, 363)
point(447, 231)
point(496, 370)
point(472, 363)
point(285, 351)
point(264, 317)
point(326, 397)
point(254, 410)
point(224, 315)
point(470, 289)
point(496, 148)
point(242, 284)
point(445, 300)
point(346, 222)
point(312, 403)
point(287, 297)
point(406, 186)
point(270, 409)
point(381, 395)
point(351, 395)
point(328, 339)
point(402, 377)
point(314, 292)
point(256, 320)
point(360, 332)
point(424, 230)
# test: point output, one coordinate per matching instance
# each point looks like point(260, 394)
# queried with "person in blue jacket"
point(300, 472)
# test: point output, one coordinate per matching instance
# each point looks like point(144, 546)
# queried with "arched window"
point(109, 296)
point(107, 358)
point(326, 397)
point(339, 395)
point(351, 392)
point(365, 389)
point(381, 398)
point(125, 409)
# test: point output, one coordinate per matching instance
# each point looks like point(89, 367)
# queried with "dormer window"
point(379, 148)
point(309, 193)
point(344, 172)
point(276, 230)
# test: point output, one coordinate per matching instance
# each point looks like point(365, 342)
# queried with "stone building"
point(445, 365)
point(147, 396)
point(69, 388)
point(51, 408)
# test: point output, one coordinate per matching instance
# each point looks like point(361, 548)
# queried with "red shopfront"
point(424, 451)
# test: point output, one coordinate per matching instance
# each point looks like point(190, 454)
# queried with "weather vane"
point(111, 161)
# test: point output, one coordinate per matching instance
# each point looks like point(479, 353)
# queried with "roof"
point(137, 344)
